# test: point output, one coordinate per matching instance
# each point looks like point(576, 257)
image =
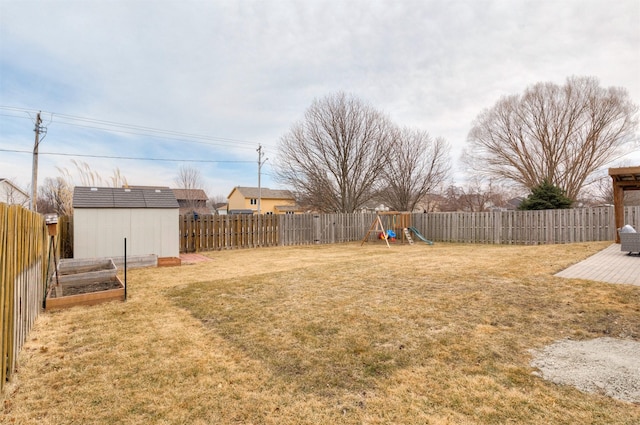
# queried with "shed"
point(104, 216)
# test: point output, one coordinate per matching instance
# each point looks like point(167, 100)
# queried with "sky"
point(145, 87)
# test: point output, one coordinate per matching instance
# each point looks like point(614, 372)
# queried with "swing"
point(378, 227)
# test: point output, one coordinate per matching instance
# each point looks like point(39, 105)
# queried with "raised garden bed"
point(71, 270)
point(87, 294)
point(84, 282)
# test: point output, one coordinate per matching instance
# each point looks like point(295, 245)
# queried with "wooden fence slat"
point(23, 250)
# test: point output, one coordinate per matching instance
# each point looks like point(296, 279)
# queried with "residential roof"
point(10, 183)
point(264, 193)
point(190, 194)
point(121, 197)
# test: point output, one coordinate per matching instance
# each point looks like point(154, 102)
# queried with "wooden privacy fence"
point(498, 227)
point(214, 232)
point(211, 232)
point(302, 229)
point(525, 227)
point(23, 260)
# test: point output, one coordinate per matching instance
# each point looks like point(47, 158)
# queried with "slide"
point(422, 238)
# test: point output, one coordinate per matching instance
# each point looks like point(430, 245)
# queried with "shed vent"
point(94, 189)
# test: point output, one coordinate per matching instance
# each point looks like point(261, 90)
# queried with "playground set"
point(397, 223)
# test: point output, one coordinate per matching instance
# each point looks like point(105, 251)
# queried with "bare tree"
point(334, 157)
point(558, 133)
point(599, 192)
point(477, 195)
point(190, 179)
point(417, 165)
point(218, 199)
point(55, 196)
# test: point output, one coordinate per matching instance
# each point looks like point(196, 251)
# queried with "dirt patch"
point(606, 366)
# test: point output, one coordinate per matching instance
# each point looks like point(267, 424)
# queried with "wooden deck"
point(609, 265)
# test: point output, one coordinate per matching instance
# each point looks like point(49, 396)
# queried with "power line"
point(149, 129)
point(125, 157)
point(112, 126)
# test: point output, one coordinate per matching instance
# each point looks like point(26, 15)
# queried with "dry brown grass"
point(328, 334)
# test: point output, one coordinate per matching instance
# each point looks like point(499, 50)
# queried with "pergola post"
point(623, 179)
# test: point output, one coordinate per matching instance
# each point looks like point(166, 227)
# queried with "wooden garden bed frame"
point(90, 298)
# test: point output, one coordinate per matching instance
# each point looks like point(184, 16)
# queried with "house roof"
point(264, 193)
point(10, 183)
point(120, 197)
point(190, 194)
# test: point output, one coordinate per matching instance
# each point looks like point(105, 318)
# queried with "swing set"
point(394, 221)
point(397, 223)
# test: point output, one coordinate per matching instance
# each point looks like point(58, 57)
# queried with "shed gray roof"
point(122, 197)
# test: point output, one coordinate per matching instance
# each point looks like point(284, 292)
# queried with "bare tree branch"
point(190, 179)
point(416, 166)
point(559, 133)
point(55, 195)
point(334, 157)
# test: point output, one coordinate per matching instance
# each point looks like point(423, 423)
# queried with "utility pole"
point(34, 169)
point(260, 163)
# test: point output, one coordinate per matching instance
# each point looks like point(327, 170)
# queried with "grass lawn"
point(328, 334)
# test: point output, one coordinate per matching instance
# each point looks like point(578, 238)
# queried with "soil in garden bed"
point(87, 288)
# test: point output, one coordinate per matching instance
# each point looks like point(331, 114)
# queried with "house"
point(192, 201)
point(221, 208)
point(514, 203)
point(104, 216)
point(12, 194)
point(271, 201)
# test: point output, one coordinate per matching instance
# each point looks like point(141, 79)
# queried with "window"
point(254, 201)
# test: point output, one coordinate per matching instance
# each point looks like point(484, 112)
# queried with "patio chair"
point(630, 242)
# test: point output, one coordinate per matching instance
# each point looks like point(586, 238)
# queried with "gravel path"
point(606, 366)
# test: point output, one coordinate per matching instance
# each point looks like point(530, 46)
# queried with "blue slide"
point(422, 238)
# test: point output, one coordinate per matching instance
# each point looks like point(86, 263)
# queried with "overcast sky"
point(109, 75)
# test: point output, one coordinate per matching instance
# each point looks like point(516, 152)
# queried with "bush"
point(546, 196)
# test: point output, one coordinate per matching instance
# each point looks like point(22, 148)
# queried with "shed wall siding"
point(100, 232)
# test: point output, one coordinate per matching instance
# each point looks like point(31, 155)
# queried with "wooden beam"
point(618, 207)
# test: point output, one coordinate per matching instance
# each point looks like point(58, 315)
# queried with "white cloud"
point(248, 70)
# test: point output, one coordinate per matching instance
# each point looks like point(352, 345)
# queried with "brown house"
point(192, 201)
